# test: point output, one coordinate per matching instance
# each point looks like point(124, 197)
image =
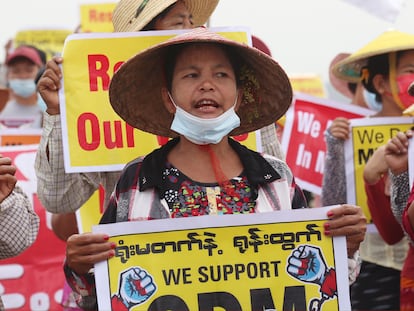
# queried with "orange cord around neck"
point(221, 178)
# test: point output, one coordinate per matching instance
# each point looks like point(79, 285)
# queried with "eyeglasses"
point(141, 8)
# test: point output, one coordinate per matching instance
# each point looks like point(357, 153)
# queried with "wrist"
point(53, 111)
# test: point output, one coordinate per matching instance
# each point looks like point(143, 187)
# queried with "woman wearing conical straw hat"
point(199, 89)
point(61, 193)
point(385, 67)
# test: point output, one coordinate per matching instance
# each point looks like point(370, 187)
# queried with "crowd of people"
point(199, 89)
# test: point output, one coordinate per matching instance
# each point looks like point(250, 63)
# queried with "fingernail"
point(111, 254)
point(113, 245)
point(327, 232)
point(330, 214)
point(106, 237)
point(326, 225)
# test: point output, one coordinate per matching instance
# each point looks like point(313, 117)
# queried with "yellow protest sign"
point(96, 17)
point(310, 84)
point(95, 137)
point(367, 134)
point(271, 261)
point(48, 40)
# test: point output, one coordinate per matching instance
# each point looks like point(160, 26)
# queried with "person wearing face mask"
point(186, 84)
point(62, 193)
point(385, 68)
point(23, 109)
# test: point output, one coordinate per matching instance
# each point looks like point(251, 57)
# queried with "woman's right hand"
point(396, 152)
point(340, 128)
point(86, 249)
point(49, 84)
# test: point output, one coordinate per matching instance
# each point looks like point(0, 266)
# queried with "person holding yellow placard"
point(199, 89)
point(384, 66)
point(63, 193)
point(60, 193)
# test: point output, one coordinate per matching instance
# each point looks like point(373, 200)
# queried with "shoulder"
point(279, 166)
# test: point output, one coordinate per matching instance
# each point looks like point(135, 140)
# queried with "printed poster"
point(48, 40)
point(269, 261)
point(97, 17)
point(367, 134)
point(95, 138)
point(34, 279)
point(21, 136)
point(303, 136)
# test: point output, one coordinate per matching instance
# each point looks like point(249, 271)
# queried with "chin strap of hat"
point(392, 60)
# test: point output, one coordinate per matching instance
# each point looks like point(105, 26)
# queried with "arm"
point(381, 213)
point(334, 180)
point(396, 156)
point(64, 225)
point(59, 192)
point(82, 252)
point(408, 217)
point(270, 142)
point(378, 200)
point(19, 224)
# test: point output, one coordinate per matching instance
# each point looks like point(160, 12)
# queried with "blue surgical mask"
point(23, 87)
point(41, 103)
point(202, 131)
point(371, 102)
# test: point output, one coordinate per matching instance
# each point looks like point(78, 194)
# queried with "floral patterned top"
point(186, 197)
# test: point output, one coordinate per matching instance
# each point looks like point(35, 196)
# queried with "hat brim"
point(349, 69)
point(339, 84)
point(135, 89)
point(123, 18)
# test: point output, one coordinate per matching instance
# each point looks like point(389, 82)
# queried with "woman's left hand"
point(350, 221)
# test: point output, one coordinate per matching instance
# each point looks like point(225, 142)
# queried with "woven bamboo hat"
point(133, 15)
point(349, 69)
point(340, 85)
point(135, 89)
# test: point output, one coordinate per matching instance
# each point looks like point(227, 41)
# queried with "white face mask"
point(202, 131)
point(23, 87)
point(371, 101)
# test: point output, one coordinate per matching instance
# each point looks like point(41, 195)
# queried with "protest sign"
point(303, 136)
point(367, 134)
point(97, 17)
point(20, 122)
point(34, 279)
point(95, 138)
point(235, 262)
point(21, 136)
point(48, 40)
point(310, 84)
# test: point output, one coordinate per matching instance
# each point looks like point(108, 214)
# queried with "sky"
point(303, 35)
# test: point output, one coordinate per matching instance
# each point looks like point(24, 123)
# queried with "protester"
point(395, 154)
point(354, 91)
point(380, 65)
point(207, 94)
point(60, 193)
point(24, 107)
point(63, 193)
point(19, 224)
